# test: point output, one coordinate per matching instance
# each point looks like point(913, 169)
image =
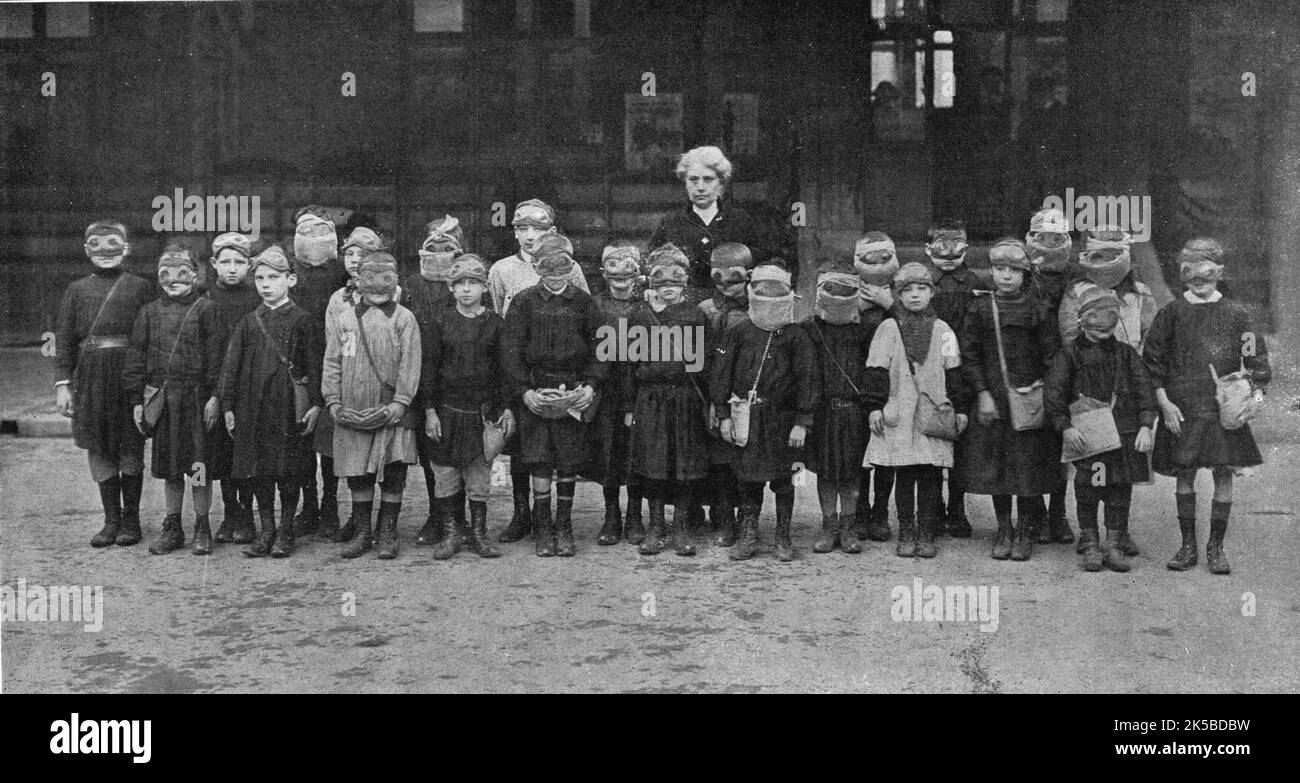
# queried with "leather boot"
point(1030, 528)
point(747, 546)
point(130, 533)
point(478, 530)
point(612, 531)
point(462, 521)
point(1090, 539)
point(386, 529)
point(358, 529)
point(261, 546)
point(226, 531)
point(1185, 558)
point(543, 527)
point(306, 523)
point(564, 546)
point(925, 530)
point(1214, 557)
point(328, 523)
point(431, 533)
point(1111, 554)
point(682, 530)
point(110, 496)
point(725, 526)
point(284, 538)
point(245, 530)
point(521, 524)
point(171, 538)
point(448, 542)
point(1127, 545)
point(1003, 537)
point(784, 515)
point(829, 535)
point(1059, 528)
point(849, 543)
point(634, 526)
point(906, 546)
point(348, 530)
point(202, 535)
point(878, 524)
point(1042, 532)
point(654, 535)
point(957, 523)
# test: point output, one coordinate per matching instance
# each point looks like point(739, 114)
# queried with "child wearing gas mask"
point(271, 349)
point(507, 278)
point(549, 346)
point(769, 366)
point(610, 462)
point(176, 353)
point(1050, 253)
point(369, 380)
point(319, 274)
point(730, 264)
point(669, 438)
point(876, 262)
point(1098, 365)
point(837, 440)
point(913, 354)
point(954, 288)
point(95, 322)
point(1009, 328)
point(1106, 262)
point(429, 296)
point(234, 297)
point(1197, 331)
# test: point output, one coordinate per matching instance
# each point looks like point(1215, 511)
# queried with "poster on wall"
point(652, 130)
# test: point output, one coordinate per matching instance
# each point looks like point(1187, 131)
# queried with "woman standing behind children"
point(1194, 339)
point(175, 355)
point(1010, 341)
point(1097, 365)
point(669, 445)
point(372, 366)
point(913, 371)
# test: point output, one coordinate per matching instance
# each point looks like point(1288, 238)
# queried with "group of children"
point(292, 363)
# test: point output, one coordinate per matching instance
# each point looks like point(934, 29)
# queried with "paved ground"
point(609, 620)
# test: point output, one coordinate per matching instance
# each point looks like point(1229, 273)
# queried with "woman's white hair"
point(706, 156)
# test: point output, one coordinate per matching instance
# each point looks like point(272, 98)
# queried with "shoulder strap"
point(275, 345)
point(365, 348)
point(754, 390)
point(655, 317)
point(997, 334)
point(834, 361)
point(104, 304)
point(180, 330)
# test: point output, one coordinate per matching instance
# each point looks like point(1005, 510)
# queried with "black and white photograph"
point(631, 347)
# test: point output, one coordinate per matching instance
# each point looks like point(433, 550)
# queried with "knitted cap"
point(1048, 221)
point(1009, 252)
point(534, 212)
point(912, 272)
point(467, 267)
point(730, 254)
point(363, 238)
point(447, 229)
point(667, 254)
point(273, 257)
point(1094, 297)
point(621, 262)
point(233, 240)
point(553, 255)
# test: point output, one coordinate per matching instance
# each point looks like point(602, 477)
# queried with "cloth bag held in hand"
point(153, 398)
point(1026, 403)
point(1095, 420)
point(740, 408)
point(1235, 397)
point(935, 419)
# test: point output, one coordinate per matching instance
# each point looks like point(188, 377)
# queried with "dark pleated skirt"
point(997, 460)
point(179, 437)
point(767, 456)
point(102, 420)
point(669, 434)
point(837, 443)
point(462, 438)
point(607, 447)
point(1204, 443)
point(1125, 465)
